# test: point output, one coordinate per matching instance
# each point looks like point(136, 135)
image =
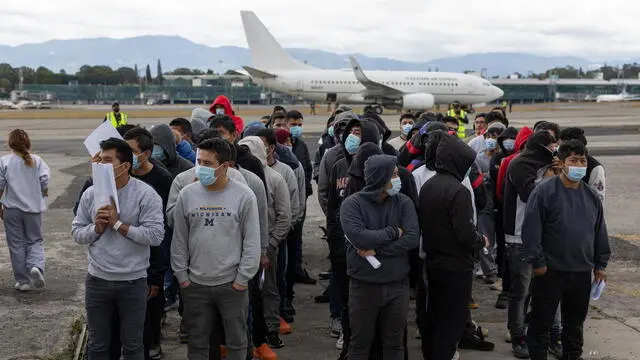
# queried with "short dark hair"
point(407, 116)
point(224, 121)
point(142, 136)
point(572, 147)
point(547, 126)
point(481, 115)
point(221, 148)
point(268, 134)
point(206, 134)
point(573, 133)
point(123, 129)
point(294, 114)
point(495, 116)
point(279, 108)
point(182, 123)
point(447, 119)
point(501, 109)
point(123, 150)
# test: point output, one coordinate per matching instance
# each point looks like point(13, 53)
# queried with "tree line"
point(626, 71)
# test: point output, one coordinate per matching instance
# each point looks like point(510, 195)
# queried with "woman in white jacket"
point(24, 182)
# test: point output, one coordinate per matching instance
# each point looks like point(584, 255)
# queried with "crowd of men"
point(210, 216)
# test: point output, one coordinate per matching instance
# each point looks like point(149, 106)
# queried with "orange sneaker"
point(264, 352)
point(223, 351)
point(285, 328)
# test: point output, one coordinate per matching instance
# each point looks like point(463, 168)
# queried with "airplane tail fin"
point(266, 53)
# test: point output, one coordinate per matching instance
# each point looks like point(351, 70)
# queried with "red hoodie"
point(521, 139)
point(228, 110)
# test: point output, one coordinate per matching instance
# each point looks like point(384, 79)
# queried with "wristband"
point(117, 225)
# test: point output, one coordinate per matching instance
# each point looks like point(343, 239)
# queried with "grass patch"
point(69, 349)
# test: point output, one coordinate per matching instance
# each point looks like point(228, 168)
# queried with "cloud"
point(403, 29)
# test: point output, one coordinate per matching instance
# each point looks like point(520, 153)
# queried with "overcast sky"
point(401, 29)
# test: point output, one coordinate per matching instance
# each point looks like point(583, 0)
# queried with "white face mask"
point(220, 111)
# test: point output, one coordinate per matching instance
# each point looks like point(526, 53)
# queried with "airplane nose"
point(499, 93)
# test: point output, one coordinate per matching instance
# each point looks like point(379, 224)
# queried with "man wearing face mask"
point(164, 150)
point(299, 148)
point(565, 239)
point(119, 249)
point(222, 106)
point(379, 221)
point(406, 124)
point(215, 252)
point(141, 143)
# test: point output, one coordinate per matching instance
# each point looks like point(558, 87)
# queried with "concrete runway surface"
point(37, 324)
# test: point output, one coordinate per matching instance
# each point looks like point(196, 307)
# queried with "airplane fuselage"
point(343, 87)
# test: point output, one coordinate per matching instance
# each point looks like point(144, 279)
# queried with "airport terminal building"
point(197, 89)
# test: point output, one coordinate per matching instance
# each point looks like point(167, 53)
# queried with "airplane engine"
point(418, 101)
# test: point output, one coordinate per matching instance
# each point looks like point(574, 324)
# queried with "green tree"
point(148, 76)
point(126, 75)
point(5, 85)
point(159, 78)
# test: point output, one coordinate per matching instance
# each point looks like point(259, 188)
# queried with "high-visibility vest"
point(462, 130)
point(505, 103)
point(111, 116)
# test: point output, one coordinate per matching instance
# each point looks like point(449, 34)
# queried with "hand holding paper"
point(104, 183)
point(102, 132)
point(369, 255)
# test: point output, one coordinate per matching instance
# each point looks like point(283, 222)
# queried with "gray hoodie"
point(201, 115)
point(279, 205)
point(370, 223)
point(163, 136)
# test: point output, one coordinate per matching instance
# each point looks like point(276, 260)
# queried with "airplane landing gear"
point(378, 109)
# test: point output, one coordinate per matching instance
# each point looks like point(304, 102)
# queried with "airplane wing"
point(258, 73)
point(373, 88)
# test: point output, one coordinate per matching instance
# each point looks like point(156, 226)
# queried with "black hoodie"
point(174, 163)
point(372, 223)
point(523, 175)
point(496, 160)
point(449, 237)
point(384, 130)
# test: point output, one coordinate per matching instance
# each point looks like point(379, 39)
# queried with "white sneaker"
point(340, 342)
point(497, 286)
point(37, 279)
point(17, 286)
point(336, 328)
point(507, 336)
point(456, 356)
point(25, 287)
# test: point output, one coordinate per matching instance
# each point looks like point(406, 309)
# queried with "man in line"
point(164, 150)
point(595, 176)
point(379, 221)
point(222, 106)
point(279, 220)
point(141, 143)
point(215, 252)
point(183, 126)
point(565, 239)
point(406, 124)
point(119, 250)
point(479, 127)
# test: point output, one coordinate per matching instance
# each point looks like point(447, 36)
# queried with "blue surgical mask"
point(220, 111)
point(352, 144)
point(406, 129)
point(490, 143)
point(576, 173)
point(509, 144)
point(396, 185)
point(331, 131)
point(296, 131)
point(136, 164)
point(158, 153)
point(206, 175)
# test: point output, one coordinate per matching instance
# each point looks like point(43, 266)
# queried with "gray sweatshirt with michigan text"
point(216, 235)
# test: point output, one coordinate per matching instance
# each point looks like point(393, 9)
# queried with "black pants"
point(152, 327)
point(447, 312)
point(259, 326)
point(339, 268)
point(501, 256)
point(573, 289)
point(293, 248)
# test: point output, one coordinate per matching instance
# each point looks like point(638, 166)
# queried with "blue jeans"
point(335, 304)
point(102, 297)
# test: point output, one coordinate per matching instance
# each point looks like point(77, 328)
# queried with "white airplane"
point(411, 90)
point(623, 96)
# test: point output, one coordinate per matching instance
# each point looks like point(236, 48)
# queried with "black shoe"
point(325, 275)
point(503, 301)
point(305, 278)
point(520, 348)
point(475, 341)
point(555, 348)
point(273, 340)
point(321, 299)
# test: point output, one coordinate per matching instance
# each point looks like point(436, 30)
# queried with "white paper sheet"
point(373, 261)
point(102, 132)
point(104, 184)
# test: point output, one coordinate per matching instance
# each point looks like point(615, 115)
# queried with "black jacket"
point(449, 237)
point(301, 151)
point(385, 132)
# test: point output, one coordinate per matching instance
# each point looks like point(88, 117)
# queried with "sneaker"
point(183, 335)
point(155, 353)
point(503, 301)
point(305, 278)
point(17, 286)
point(264, 352)
point(325, 275)
point(475, 341)
point(223, 352)
point(273, 341)
point(286, 316)
point(456, 356)
point(555, 348)
point(340, 342)
point(25, 287)
point(285, 328)
point(418, 334)
point(520, 349)
point(497, 285)
point(336, 328)
point(173, 305)
point(37, 279)
point(473, 305)
point(507, 336)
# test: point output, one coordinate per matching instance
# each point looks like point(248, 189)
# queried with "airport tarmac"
point(37, 324)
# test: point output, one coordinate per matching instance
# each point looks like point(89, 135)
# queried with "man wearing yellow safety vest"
point(116, 117)
point(455, 111)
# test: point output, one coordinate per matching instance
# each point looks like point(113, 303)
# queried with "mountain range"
point(177, 52)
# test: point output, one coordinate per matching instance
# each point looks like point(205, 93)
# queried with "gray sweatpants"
point(202, 307)
point(271, 295)
point(24, 238)
point(378, 308)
